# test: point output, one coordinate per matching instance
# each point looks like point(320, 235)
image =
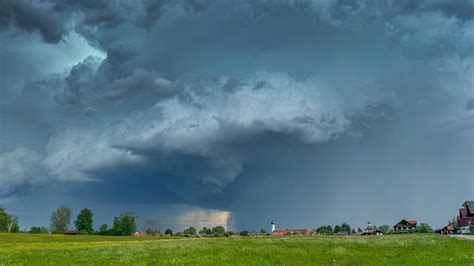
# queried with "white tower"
point(273, 226)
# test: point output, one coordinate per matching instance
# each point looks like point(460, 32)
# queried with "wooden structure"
point(405, 226)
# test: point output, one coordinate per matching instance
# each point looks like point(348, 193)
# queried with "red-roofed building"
point(70, 232)
point(405, 226)
point(448, 229)
point(290, 232)
point(466, 214)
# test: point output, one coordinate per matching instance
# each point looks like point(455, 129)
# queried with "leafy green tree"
point(262, 231)
point(169, 232)
point(337, 229)
point(218, 230)
point(13, 224)
point(384, 228)
point(4, 219)
point(205, 231)
point(424, 228)
point(190, 231)
point(38, 230)
point(84, 221)
point(60, 219)
point(345, 227)
point(8, 222)
point(325, 230)
point(125, 224)
point(244, 233)
point(103, 228)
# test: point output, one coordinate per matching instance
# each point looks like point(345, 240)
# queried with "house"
point(466, 214)
point(70, 232)
point(405, 226)
point(139, 234)
point(293, 232)
point(371, 230)
point(448, 229)
point(290, 232)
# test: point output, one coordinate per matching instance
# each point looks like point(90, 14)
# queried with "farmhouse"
point(371, 230)
point(290, 232)
point(70, 232)
point(466, 214)
point(448, 229)
point(405, 226)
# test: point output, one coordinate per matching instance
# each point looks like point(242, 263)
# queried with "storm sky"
point(201, 112)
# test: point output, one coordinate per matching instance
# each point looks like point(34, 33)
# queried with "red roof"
point(413, 222)
point(71, 232)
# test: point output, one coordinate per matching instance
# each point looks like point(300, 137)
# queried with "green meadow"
point(424, 249)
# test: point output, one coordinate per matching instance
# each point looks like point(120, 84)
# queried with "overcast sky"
point(201, 112)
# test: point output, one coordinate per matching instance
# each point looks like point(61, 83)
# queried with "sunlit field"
point(376, 250)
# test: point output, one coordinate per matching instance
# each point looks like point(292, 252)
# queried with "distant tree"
point(337, 229)
point(169, 232)
point(190, 231)
point(359, 230)
point(384, 228)
point(205, 231)
point(152, 226)
point(218, 230)
point(325, 230)
point(38, 230)
point(103, 228)
point(84, 221)
point(13, 225)
point(345, 227)
point(4, 219)
point(353, 231)
point(60, 219)
point(125, 224)
point(244, 233)
point(8, 222)
point(262, 231)
point(424, 228)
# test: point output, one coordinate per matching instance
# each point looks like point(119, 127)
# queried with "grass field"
point(26, 249)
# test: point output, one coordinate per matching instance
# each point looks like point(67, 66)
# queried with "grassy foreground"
point(376, 250)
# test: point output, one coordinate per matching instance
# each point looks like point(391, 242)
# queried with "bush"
point(218, 230)
point(125, 224)
point(190, 231)
point(424, 228)
point(244, 233)
point(38, 230)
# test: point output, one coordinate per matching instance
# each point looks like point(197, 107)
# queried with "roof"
point(291, 230)
point(412, 222)
point(70, 231)
point(448, 228)
point(469, 205)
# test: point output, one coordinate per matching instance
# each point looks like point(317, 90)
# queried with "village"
point(463, 224)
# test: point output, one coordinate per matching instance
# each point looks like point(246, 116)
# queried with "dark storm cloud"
point(223, 105)
point(31, 16)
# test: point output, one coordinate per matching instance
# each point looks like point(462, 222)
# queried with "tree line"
point(385, 229)
point(125, 225)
